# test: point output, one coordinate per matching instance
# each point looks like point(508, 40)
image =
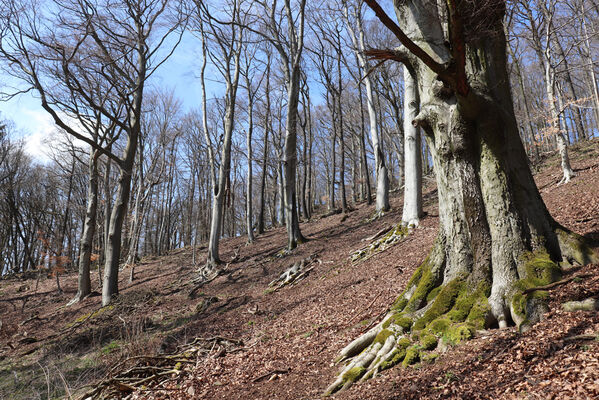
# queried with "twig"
point(36, 316)
point(369, 305)
point(275, 371)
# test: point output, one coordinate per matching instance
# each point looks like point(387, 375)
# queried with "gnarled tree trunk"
point(496, 237)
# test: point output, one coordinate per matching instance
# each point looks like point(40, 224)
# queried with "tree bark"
point(89, 227)
point(412, 205)
point(496, 237)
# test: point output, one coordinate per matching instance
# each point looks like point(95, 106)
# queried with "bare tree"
point(228, 40)
point(355, 26)
point(496, 236)
point(114, 44)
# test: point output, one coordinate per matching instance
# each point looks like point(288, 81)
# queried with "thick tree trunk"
point(412, 204)
point(496, 237)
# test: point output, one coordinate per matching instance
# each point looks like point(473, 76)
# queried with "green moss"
point(90, 315)
point(396, 357)
point(433, 293)
point(539, 270)
point(428, 342)
point(429, 358)
point(382, 336)
point(466, 301)
point(442, 304)
point(477, 316)
point(439, 326)
point(110, 347)
point(353, 374)
point(404, 322)
point(579, 250)
point(459, 332)
point(412, 356)
point(426, 283)
point(399, 304)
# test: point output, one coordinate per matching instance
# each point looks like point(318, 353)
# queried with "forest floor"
point(238, 338)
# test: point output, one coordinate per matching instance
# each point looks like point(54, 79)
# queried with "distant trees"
point(72, 51)
point(296, 116)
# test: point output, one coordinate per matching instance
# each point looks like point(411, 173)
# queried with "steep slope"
point(280, 343)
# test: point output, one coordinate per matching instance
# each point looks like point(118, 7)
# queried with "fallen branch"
point(592, 336)
point(152, 369)
point(295, 273)
point(555, 284)
point(27, 320)
point(378, 234)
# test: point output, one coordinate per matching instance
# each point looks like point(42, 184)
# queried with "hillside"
point(238, 338)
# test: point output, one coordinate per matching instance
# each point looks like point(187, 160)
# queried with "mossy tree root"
point(440, 306)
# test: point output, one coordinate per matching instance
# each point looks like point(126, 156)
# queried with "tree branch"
point(435, 66)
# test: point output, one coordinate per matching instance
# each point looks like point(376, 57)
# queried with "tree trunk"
point(115, 229)
point(84, 281)
point(249, 194)
point(496, 237)
point(562, 146)
point(412, 204)
point(589, 62)
point(294, 235)
point(366, 188)
point(534, 144)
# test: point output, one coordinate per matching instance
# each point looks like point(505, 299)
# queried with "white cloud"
point(38, 128)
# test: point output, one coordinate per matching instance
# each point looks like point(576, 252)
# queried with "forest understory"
point(237, 337)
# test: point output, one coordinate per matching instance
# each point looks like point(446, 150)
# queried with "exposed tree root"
point(140, 372)
point(298, 271)
point(555, 284)
point(590, 304)
point(382, 241)
point(444, 305)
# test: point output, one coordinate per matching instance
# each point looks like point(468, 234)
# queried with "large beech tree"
point(496, 238)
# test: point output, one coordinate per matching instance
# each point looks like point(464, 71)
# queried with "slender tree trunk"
point(119, 210)
point(589, 62)
point(412, 204)
point(568, 79)
point(89, 226)
point(117, 217)
point(562, 146)
point(294, 235)
point(249, 190)
point(366, 187)
point(340, 129)
point(534, 142)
